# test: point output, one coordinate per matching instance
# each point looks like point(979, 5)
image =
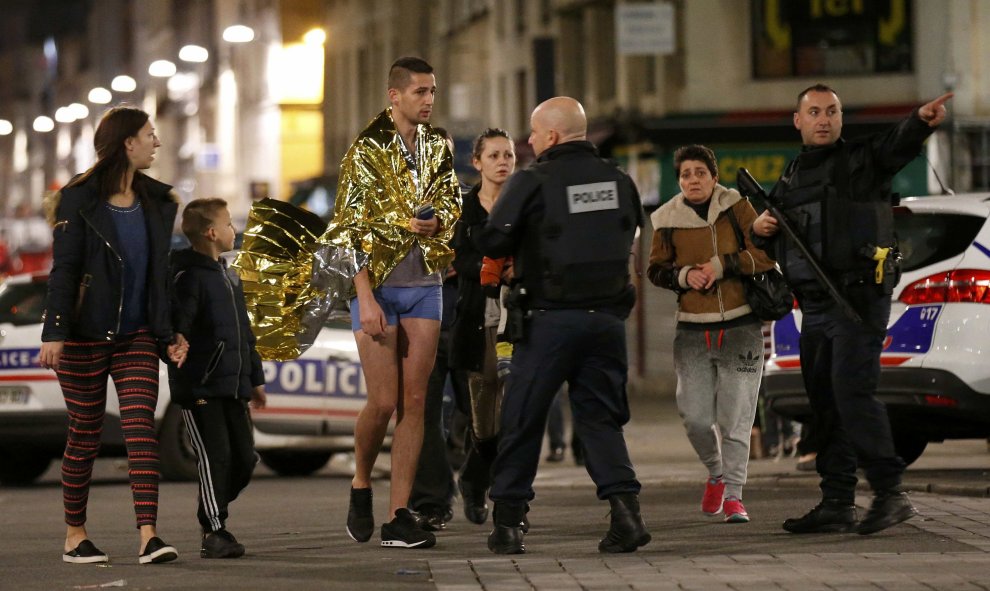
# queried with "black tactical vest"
point(840, 224)
point(586, 234)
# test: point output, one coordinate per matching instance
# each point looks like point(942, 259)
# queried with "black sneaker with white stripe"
point(405, 532)
point(157, 551)
point(85, 553)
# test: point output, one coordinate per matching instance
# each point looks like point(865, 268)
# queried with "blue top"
point(133, 237)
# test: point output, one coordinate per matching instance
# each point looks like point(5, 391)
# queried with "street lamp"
point(162, 69)
point(63, 115)
point(79, 110)
point(123, 83)
point(100, 96)
point(43, 124)
point(6, 127)
point(238, 34)
point(194, 54)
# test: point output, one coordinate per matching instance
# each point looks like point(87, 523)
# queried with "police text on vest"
point(592, 197)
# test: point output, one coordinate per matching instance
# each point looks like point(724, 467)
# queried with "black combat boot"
point(828, 516)
point(889, 507)
point(627, 530)
point(507, 537)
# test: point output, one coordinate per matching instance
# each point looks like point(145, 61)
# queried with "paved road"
point(293, 529)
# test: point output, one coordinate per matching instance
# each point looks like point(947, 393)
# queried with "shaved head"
point(555, 121)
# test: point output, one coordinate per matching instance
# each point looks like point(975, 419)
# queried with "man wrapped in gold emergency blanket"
point(293, 280)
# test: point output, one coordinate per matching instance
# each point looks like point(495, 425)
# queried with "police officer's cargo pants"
point(840, 364)
point(221, 434)
point(586, 349)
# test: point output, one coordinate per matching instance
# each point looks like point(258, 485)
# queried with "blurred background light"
point(162, 69)
point(194, 54)
point(315, 37)
point(123, 83)
point(63, 115)
point(100, 96)
point(238, 34)
point(6, 127)
point(43, 124)
point(79, 110)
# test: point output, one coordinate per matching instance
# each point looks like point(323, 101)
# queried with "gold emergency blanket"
point(295, 279)
point(275, 265)
point(377, 194)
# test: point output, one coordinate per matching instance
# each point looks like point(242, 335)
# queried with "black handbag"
point(767, 292)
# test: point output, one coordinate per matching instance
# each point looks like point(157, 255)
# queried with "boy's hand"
point(178, 350)
point(258, 397)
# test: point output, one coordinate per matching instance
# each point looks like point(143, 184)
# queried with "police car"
point(935, 365)
point(312, 401)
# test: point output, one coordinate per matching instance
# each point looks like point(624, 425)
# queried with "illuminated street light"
point(62, 115)
point(238, 34)
point(123, 83)
point(6, 127)
point(194, 54)
point(79, 110)
point(162, 69)
point(100, 96)
point(315, 37)
point(43, 124)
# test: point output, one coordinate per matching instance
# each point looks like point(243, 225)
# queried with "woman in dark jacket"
point(107, 314)
point(474, 335)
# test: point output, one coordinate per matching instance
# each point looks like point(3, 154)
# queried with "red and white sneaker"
point(711, 503)
point(734, 511)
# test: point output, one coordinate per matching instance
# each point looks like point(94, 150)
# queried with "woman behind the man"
point(474, 337)
point(718, 346)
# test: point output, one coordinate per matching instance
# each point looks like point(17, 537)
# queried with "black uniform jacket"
point(468, 336)
point(85, 287)
point(210, 312)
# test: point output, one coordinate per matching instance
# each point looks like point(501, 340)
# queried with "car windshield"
point(22, 303)
point(927, 238)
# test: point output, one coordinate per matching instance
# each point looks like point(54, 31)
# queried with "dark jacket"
point(209, 310)
point(467, 344)
point(857, 206)
point(85, 287)
point(523, 224)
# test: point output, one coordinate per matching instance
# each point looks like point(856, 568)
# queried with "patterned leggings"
point(132, 363)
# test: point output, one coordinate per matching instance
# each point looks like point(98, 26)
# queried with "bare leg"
point(380, 363)
point(74, 535)
point(147, 532)
point(418, 338)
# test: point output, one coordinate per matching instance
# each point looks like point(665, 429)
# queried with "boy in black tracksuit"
point(222, 371)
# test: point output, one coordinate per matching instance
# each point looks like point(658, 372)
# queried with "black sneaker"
point(221, 544)
point(360, 516)
point(85, 553)
point(889, 508)
point(156, 551)
point(404, 532)
point(828, 516)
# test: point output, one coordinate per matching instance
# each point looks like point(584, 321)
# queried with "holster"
point(517, 314)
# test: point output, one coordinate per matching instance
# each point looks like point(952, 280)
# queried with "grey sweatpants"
point(718, 381)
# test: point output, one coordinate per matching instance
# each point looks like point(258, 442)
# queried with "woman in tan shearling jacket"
point(718, 347)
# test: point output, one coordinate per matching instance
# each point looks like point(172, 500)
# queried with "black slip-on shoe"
point(85, 553)
point(156, 551)
point(360, 516)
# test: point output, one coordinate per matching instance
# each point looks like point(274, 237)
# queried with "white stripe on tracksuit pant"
point(220, 432)
point(718, 382)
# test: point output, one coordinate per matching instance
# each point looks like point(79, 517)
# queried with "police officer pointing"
point(569, 222)
point(836, 194)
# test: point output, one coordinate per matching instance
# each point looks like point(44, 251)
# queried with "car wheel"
point(19, 468)
point(178, 460)
point(909, 446)
point(294, 463)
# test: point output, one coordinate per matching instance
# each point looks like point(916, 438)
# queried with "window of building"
point(520, 10)
point(831, 37)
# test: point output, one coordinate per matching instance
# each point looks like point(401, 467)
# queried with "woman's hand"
point(701, 277)
point(178, 350)
point(51, 354)
point(765, 225)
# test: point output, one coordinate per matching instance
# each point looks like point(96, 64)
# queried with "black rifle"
point(750, 188)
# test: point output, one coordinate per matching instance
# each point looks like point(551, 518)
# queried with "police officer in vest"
point(569, 222)
point(836, 194)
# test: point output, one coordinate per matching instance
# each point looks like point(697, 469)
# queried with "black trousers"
point(434, 483)
point(840, 364)
point(221, 435)
point(587, 350)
